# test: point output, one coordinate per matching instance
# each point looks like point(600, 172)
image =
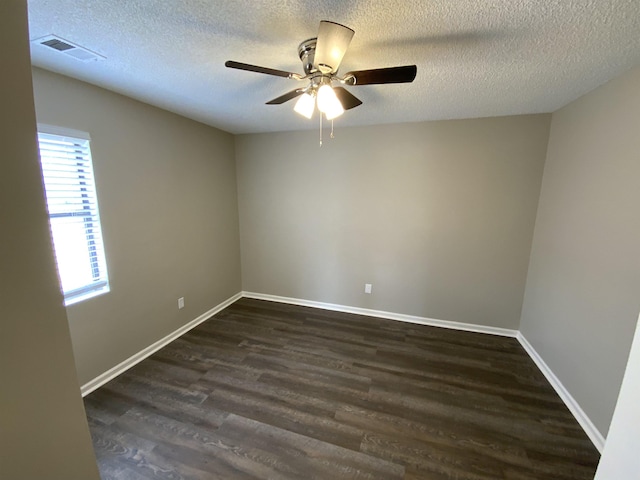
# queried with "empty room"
point(329, 240)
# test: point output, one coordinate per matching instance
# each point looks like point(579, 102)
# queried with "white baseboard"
point(110, 374)
point(581, 417)
point(467, 327)
point(590, 429)
point(587, 425)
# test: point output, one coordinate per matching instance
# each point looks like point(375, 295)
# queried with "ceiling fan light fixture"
point(332, 44)
point(321, 58)
point(305, 105)
point(334, 112)
point(328, 102)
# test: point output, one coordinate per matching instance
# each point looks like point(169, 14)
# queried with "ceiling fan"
point(321, 58)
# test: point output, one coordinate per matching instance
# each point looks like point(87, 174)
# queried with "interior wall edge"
point(580, 415)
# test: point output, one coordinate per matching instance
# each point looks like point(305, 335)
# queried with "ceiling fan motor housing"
point(306, 52)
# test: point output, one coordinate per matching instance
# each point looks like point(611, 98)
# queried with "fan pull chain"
point(320, 128)
point(332, 128)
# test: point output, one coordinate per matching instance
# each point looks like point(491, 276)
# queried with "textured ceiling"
point(475, 58)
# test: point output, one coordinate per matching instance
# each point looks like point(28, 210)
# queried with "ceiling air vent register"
point(61, 45)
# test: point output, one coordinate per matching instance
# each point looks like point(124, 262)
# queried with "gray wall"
point(168, 204)
point(43, 428)
point(438, 216)
point(583, 289)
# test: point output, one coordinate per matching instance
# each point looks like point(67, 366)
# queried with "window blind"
point(74, 218)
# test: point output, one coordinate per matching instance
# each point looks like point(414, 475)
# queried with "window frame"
point(94, 239)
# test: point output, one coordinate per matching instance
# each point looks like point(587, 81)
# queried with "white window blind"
point(73, 215)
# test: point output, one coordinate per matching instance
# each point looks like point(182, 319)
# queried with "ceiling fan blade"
point(256, 68)
point(404, 74)
point(331, 45)
point(286, 97)
point(347, 100)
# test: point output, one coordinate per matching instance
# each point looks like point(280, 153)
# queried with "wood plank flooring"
point(272, 391)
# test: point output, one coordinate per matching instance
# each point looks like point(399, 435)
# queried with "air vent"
point(57, 44)
point(64, 46)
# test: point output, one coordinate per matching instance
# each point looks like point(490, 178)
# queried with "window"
point(67, 171)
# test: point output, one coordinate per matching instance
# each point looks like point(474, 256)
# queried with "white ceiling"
point(475, 58)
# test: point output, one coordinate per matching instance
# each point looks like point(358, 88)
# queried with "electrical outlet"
point(180, 303)
point(367, 288)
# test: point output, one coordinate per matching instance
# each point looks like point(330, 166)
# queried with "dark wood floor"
point(266, 390)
